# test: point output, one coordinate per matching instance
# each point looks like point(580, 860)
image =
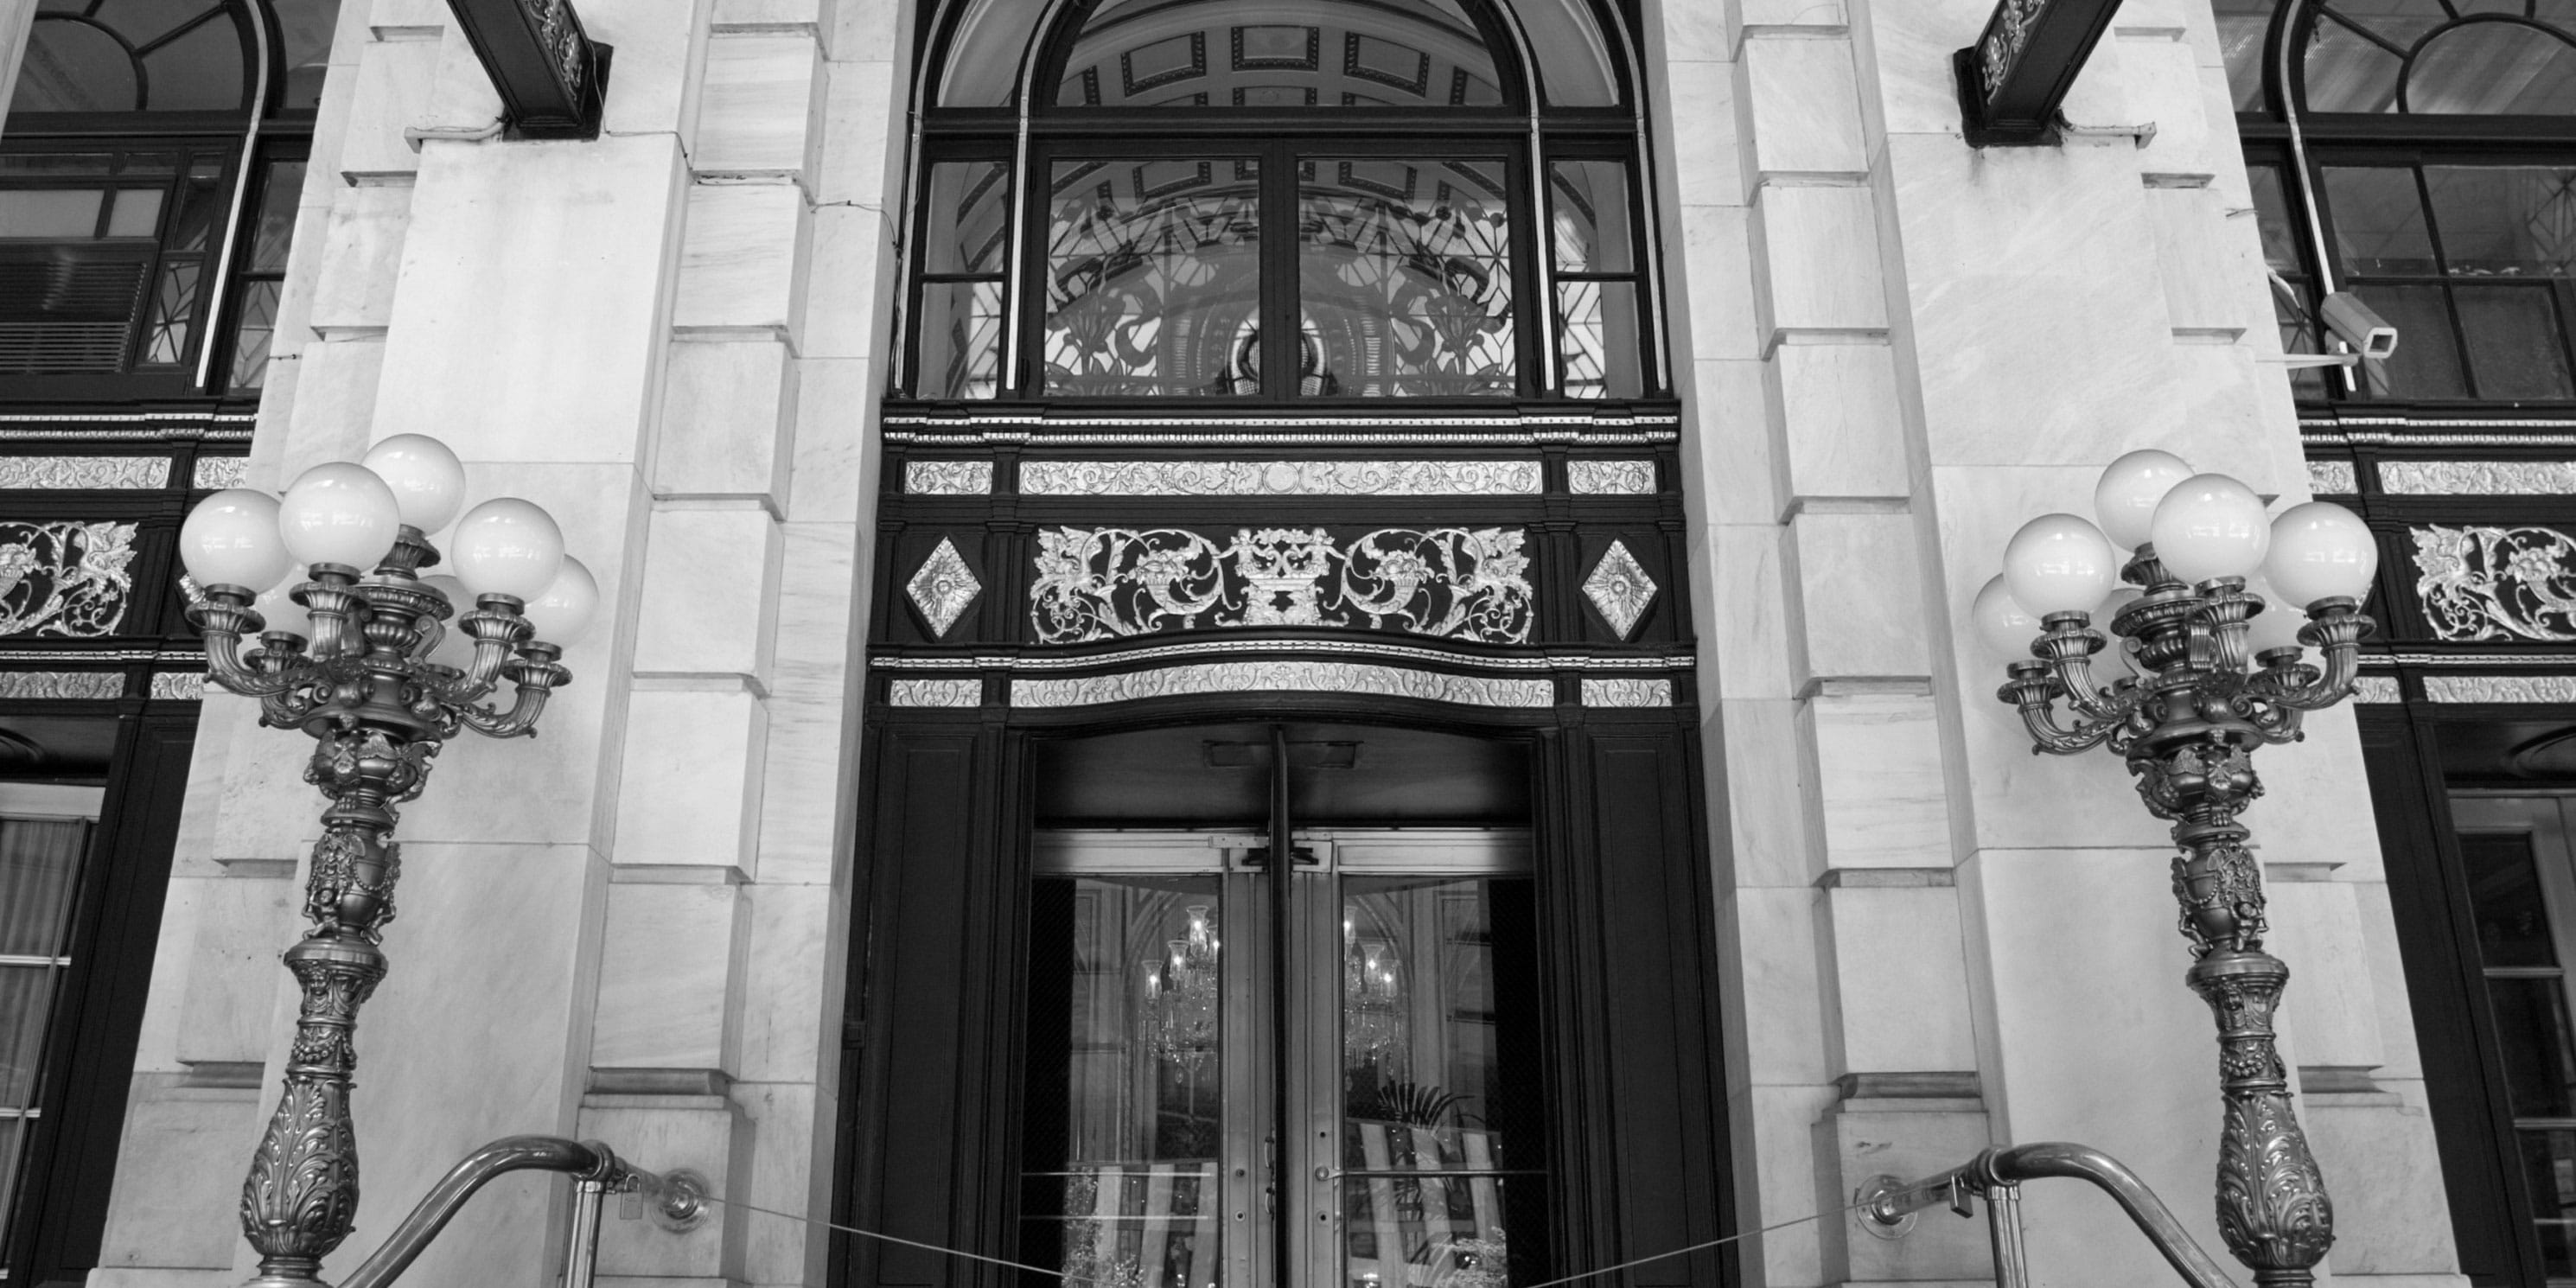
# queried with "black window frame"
point(1528, 140)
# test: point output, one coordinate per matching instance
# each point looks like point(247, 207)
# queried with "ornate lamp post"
point(366, 664)
point(2210, 675)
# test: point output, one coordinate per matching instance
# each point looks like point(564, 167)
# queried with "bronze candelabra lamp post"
point(2211, 666)
point(366, 664)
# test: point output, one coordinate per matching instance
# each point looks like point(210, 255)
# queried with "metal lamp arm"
point(534, 676)
point(223, 617)
point(2031, 690)
point(2068, 647)
point(2335, 629)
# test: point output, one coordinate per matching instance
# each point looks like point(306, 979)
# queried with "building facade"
point(1522, 466)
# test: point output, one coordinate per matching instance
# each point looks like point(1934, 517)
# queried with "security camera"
point(2355, 324)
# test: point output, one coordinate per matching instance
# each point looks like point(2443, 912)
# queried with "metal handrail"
point(596, 1170)
point(1996, 1176)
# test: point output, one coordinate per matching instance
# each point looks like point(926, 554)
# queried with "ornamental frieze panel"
point(2496, 583)
point(1467, 584)
point(66, 579)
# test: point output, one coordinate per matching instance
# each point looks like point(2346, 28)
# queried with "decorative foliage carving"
point(943, 587)
point(179, 686)
point(2499, 688)
point(943, 691)
point(1109, 583)
point(1293, 676)
point(2333, 478)
point(2496, 583)
point(221, 471)
point(2007, 35)
point(1611, 478)
point(1626, 692)
point(1620, 588)
point(1279, 478)
point(80, 685)
point(947, 478)
point(76, 473)
point(301, 1196)
point(2477, 478)
point(67, 579)
point(2376, 688)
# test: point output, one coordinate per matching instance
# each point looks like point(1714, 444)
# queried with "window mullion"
point(1281, 308)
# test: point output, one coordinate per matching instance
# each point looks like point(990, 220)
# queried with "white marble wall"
point(628, 928)
point(1898, 348)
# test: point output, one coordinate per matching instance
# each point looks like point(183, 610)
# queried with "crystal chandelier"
point(1181, 995)
point(1372, 1002)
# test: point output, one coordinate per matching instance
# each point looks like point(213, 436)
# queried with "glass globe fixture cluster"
point(2209, 638)
point(314, 603)
point(328, 577)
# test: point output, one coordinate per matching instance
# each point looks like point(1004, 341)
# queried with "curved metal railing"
point(596, 1171)
point(1996, 1176)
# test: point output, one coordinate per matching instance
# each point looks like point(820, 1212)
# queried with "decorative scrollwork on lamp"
point(2215, 667)
point(367, 665)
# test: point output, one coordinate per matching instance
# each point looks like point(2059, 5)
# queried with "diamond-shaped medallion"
point(1620, 588)
point(943, 588)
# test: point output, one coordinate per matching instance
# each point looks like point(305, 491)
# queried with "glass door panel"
point(1123, 1129)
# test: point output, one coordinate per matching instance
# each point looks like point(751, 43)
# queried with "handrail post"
point(581, 1254)
point(2003, 1229)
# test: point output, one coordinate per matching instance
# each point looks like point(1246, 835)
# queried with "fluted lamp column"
point(2210, 664)
point(369, 665)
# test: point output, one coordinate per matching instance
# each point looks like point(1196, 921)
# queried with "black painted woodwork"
point(551, 76)
point(89, 1049)
point(1628, 998)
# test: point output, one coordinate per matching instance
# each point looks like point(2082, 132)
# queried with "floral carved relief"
point(65, 578)
point(1452, 583)
point(2497, 583)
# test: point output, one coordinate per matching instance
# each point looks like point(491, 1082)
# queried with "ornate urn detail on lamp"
point(2212, 666)
point(367, 664)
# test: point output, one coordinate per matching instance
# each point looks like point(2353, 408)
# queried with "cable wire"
point(1077, 1279)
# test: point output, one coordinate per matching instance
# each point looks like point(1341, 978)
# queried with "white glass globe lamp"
point(281, 614)
point(2277, 626)
point(506, 546)
point(564, 612)
point(2006, 630)
point(2210, 526)
point(427, 480)
point(2059, 563)
point(339, 513)
point(2321, 550)
point(2126, 498)
point(232, 539)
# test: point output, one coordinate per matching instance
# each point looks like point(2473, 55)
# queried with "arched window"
point(149, 175)
point(1243, 203)
point(2439, 186)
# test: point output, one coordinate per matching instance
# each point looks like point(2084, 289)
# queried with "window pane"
point(2272, 217)
point(306, 26)
point(2504, 895)
point(2531, 1031)
point(2493, 68)
point(1588, 208)
point(39, 869)
point(1122, 1128)
point(2515, 347)
point(2378, 220)
point(198, 72)
point(253, 331)
point(75, 67)
point(1154, 278)
point(2549, 1167)
point(11, 1132)
point(26, 995)
point(961, 340)
point(137, 213)
point(1405, 270)
point(2346, 71)
point(53, 213)
point(1204, 53)
point(167, 337)
point(278, 196)
point(2243, 26)
point(201, 206)
point(1598, 340)
point(969, 225)
point(1441, 1080)
point(65, 164)
point(2295, 311)
point(2505, 220)
point(2427, 362)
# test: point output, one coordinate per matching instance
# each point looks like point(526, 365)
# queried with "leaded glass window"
point(1310, 249)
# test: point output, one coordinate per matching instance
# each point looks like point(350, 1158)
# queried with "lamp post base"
point(2272, 1204)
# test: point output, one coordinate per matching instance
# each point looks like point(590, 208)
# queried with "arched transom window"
point(1281, 201)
